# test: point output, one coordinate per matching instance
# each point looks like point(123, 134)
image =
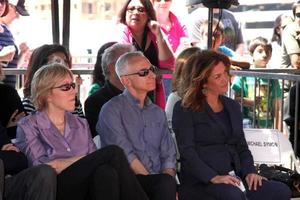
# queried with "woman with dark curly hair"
point(141, 29)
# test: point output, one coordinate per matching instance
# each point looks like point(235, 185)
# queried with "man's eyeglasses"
point(143, 72)
point(140, 9)
point(297, 15)
point(65, 87)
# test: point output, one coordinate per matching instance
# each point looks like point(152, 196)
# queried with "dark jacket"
point(94, 103)
point(9, 102)
point(205, 149)
point(13, 161)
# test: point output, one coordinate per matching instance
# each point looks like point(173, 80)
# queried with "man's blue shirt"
point(141, 132)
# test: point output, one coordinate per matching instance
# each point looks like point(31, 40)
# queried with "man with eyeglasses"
point(290, 41)
point(134, 123)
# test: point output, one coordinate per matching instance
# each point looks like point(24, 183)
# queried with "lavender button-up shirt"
point(42, 142)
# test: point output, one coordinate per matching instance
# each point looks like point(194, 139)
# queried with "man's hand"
point(170, 171)
point(138, 167)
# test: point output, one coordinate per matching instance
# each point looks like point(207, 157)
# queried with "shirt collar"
point(133, 101)
point(45, 123)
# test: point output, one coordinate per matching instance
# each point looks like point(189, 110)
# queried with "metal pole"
point(55, 21)
point(66, 23)
point(210, 26)
point(296, 123)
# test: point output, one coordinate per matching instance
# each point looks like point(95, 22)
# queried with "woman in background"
point(141, 29)
point(174, 30)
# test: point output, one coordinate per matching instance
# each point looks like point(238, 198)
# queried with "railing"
point(285, 75)
point(277, 74)
point(77, 69)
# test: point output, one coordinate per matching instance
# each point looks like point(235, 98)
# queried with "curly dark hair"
point(148, 8)
point(39, 58)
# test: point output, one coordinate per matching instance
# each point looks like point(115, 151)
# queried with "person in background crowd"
point(290, 41)
point(174, 30)
point(266, 99)
point(19, 183)
point(215, 159)
point(15, 8)
point(98, 76)
point(112, 86)
point(55, 137)
point(289, 117)
point(140, 28)
point(218, 38)
point(45, 54)
point(280, 23)
point(131, 121)
point(232, 28)
point(11, 108)
point(181, 76)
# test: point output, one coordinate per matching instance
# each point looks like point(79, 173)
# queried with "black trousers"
point(14, 162)
point(158, 186)
point(34, 183)
point(104, 174)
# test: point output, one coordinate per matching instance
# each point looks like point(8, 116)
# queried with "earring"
point(203, 91)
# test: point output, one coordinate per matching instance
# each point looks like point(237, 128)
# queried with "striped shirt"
point(29, 107)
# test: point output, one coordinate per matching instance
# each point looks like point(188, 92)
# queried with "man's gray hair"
point(122, 62)
point(111, 55)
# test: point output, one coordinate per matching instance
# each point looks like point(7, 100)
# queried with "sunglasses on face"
point(144, 72)
point(297, 15)
point(65, 87)
point(139, 9)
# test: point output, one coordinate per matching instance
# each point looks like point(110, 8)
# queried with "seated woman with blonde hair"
point(54, 136)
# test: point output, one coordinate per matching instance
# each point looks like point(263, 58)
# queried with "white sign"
point(264, 145)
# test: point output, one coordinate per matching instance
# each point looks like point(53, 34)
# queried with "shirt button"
point(68, 149)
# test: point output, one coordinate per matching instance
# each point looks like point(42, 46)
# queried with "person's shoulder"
point(7, 89)
point(31, 119)
point(230, 102)
point(97, 95)
point(75, 120)
point(115, 103)
point(289, 29)
point(173, 17)
point(3, 28)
